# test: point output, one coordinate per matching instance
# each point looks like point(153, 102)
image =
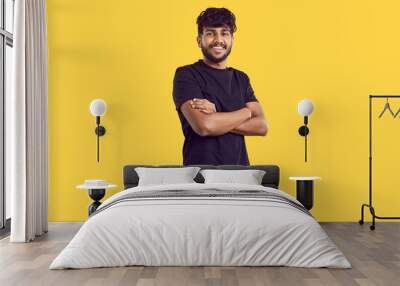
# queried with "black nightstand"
point(97, 190)
point(96, 195)
point(305, 190)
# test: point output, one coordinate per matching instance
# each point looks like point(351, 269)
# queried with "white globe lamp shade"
point(305, 107)
point(98, 107)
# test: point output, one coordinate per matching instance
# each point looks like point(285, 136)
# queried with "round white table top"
point(304, 178)
point(95, 187)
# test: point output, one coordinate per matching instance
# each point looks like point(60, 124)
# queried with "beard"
point(213, 59)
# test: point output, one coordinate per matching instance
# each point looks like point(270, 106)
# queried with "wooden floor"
point(375, 257)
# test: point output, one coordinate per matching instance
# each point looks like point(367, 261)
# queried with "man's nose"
point(218, 40)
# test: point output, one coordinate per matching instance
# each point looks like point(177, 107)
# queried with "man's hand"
point(257, 125)
point(203, 105)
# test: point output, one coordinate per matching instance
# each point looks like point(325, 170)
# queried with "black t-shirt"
point(229, 89)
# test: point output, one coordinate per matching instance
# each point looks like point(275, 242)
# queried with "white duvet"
point(200, 231)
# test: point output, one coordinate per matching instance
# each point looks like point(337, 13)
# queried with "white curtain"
point(26, 123)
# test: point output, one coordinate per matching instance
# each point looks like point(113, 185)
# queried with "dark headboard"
point(270, 179)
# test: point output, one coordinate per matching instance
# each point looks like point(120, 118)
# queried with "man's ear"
point(198, 39)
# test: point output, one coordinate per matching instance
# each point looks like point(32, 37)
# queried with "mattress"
point(201, 225)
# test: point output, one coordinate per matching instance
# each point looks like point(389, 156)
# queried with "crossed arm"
point(205, 121)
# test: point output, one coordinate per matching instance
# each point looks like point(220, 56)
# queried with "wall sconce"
point(305, 108)
point(98, 108)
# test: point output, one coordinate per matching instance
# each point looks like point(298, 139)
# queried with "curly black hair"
point(216, 17)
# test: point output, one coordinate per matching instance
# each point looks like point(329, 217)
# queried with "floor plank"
point(374, 255)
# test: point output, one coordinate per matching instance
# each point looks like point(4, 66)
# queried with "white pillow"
point(162, 176)
point(249, 177)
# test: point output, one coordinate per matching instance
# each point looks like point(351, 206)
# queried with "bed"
point(201, 224)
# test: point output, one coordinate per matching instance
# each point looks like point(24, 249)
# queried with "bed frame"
point(270, 179)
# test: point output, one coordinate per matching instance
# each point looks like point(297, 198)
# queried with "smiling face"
point(215, 43)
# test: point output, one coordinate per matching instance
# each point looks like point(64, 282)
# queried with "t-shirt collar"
point(207, 66)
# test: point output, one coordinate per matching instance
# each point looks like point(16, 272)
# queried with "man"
point(215, 103)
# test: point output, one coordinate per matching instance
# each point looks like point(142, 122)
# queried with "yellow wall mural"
point(126, 52)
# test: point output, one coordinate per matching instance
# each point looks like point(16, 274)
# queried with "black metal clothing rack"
point(370, 206)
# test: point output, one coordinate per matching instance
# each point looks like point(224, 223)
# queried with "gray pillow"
point(249, 177)
point(162, 176)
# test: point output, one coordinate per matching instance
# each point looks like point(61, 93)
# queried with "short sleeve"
point(185, 87)
point(249, 95)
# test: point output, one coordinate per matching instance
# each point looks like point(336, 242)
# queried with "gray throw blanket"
point(206, 194)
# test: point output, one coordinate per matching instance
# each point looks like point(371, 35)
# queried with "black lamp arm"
point(100, 131)
point(303, 131)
